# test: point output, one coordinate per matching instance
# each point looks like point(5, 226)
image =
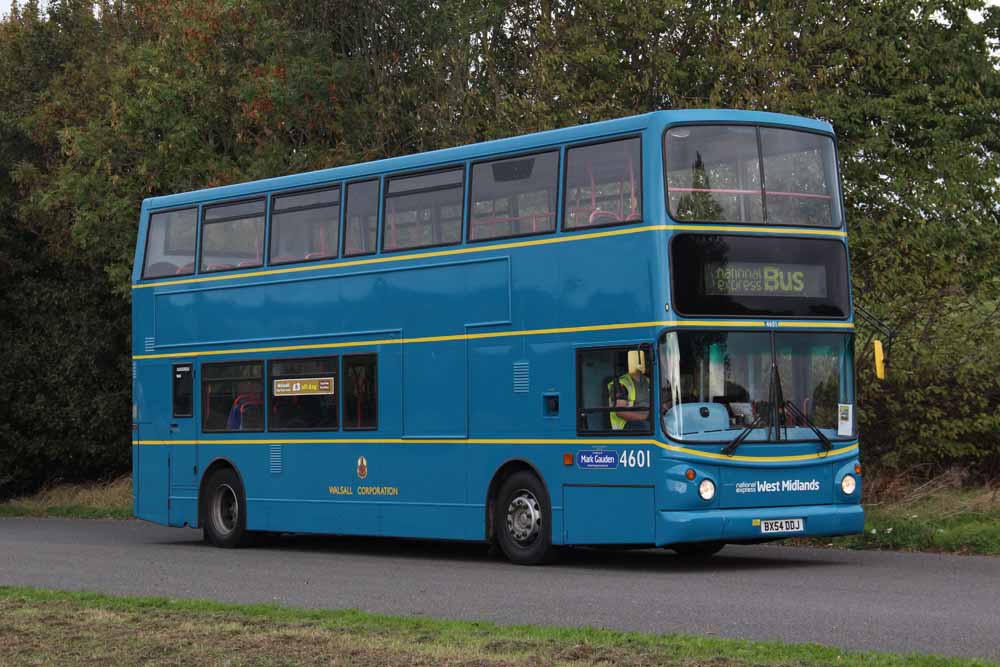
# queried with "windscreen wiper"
point(827, 445)
point(730, 449)
point(777, 398)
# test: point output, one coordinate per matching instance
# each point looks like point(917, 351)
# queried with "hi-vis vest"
point(617, 423)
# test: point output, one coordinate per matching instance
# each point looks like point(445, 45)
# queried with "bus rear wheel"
point(523, 520)
point(698, 550)
point(224, 515)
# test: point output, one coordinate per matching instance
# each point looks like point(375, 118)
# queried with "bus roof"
point(444, 156)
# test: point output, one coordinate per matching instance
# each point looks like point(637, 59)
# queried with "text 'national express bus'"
point(634, 332)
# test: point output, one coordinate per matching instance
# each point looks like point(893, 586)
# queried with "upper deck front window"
point(742, 173)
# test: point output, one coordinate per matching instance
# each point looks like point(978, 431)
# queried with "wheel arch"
point(505, 470)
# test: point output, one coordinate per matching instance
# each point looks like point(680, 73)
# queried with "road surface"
point(923, 603)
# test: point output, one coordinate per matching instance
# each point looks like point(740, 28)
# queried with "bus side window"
point(605, 377)
point(361, 219)
point(183, 390)
point(514, 197)
point(232, 396)
point(603, 184)
point(232, 236)
point(423, 210)
point(360, 392)
point(303, 394)
point(170, 244)
point(305, 226)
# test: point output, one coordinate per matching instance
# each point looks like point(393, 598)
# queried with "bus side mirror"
point(879, 359)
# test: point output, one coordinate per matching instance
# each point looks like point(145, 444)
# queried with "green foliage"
point(108, 102)
point(949, 520)
point(699, 205)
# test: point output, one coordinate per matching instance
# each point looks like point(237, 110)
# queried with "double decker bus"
point(632, 332)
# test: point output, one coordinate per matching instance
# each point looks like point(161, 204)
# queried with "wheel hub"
point(524, 517)
point(225, 509)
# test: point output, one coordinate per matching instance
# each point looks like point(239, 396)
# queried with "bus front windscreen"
point(714, 384)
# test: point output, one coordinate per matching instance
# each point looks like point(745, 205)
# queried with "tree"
point(106, 103)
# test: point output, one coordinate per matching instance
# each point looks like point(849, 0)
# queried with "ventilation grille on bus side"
point(274, 459)
point(522, 377)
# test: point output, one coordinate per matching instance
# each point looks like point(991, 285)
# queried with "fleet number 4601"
point(635, 458)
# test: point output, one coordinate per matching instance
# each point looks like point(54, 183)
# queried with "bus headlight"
point(848, 484)
point(706, 489)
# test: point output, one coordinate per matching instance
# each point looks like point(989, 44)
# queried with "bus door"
point(183, 434)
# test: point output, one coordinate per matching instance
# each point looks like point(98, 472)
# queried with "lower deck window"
point(233, 395)
point(303, 395)
point(613, 390)
point(360, 392)
point(183, 394)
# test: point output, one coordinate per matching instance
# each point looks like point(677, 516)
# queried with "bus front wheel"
point(225, 517)
point(523, 520)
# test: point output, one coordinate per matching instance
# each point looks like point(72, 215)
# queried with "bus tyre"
point(523, 520)
point(698, 550)
point(225, 517)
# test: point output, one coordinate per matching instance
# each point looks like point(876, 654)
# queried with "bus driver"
point(631, 390)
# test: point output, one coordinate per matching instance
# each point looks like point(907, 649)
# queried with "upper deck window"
point(232, 236)
point(424, 210)
point(514, 197)
point(361, 226)
point(603, 184)
point(741, 173)
point(170, 244)
point(305, 226)
point(800, 178)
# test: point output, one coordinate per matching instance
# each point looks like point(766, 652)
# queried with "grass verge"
point(110, 500)
point(937, 516)
point(51, 627)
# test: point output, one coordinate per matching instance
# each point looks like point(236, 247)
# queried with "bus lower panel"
point(184, 509)
point(380, 519)
point(738, 525)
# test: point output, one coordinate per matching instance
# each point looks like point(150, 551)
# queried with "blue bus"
point(635, 332)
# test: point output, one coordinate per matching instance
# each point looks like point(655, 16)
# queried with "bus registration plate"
point(781, 526)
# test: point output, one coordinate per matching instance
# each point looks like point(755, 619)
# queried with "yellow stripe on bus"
point(495, 334)
point(488, 248)
point(509, 441)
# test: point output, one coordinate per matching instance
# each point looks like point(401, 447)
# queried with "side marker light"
point(689, 474)
point(567, 459)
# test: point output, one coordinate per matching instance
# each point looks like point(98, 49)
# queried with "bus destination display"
point(766, 279)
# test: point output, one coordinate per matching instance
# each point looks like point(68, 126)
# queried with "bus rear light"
point(706, 489)
point(848, 484)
